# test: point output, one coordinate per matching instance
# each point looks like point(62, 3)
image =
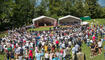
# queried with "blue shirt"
point(38, 56)
point(56, 58)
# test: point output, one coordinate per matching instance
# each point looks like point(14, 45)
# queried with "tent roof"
point(43, 17)
point(69, 16)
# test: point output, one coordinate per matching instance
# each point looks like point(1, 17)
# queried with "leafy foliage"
point(17, 13)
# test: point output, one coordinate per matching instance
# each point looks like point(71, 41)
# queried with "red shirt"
point(65, 34)
point(14, 46)
point(88, 28)
point(61, 51)
point(30, 54)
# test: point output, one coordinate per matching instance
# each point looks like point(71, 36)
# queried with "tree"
point(93, 7)
point(78, 8)
point(5, 13)
point(23, 13)
point(17, 13)
point(42, 8)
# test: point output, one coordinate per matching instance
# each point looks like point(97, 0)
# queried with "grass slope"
point(87, 52)
point(97, 21)
point(41, 28)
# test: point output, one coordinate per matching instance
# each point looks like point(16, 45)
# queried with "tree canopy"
point(17, 13)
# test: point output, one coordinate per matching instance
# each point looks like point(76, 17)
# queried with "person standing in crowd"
point(55, 57)
point(77, 47)
point(46, 55)
point(30, 55)
point(73, 52)
point(38, 55)
point(8, 55)
point(12, 55)
point(25, 54)
point(46, 47)
point(92, 49)
point(1, 48)
point(17, 52)
point(57, 44)
point(51, 55)
point(80, 55)
point(100, 46)
point(93, 38)
point(68, 52)
point(96, 49)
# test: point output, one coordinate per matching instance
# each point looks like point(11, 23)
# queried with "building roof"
point(42, 17)
point(68, 17)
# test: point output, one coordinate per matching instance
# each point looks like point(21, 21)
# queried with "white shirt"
point(91, 41)
point(73, 50)
point(31, 44)
point(51, 55)
point(99, 44)
point(77, 47)
point(64, 53)
point(46, 55)
point(17, 51)
point(63, 45)
point(70, 43)
point(88, 40)
point(27, 44)
point(57, 53)
point(20, 57)
point(43, 43)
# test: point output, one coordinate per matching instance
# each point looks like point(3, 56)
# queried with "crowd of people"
point(60, 43)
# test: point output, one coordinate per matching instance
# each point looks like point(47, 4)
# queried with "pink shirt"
point(30, 54)
point(93, 38)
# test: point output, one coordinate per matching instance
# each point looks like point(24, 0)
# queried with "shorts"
point(99, 47)
point(46, 58)
point(12, 56)
point(96, 50)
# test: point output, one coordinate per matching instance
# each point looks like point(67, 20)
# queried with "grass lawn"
point(2, 34)
point(86, 49)
point(1, 57)
point(87, 52)
point(41, 28)
point(97, 21)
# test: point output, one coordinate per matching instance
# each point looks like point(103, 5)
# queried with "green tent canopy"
point(85, 18)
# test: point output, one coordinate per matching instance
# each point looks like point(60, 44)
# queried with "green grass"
point(86, 49)
point(97, 21)
point(2, 34)
point(2, 57)
point(41, 28)
point(87, 52)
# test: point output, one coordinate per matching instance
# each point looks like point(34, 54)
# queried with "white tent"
point(69, 19)
point(84, 23)
point(43, 20)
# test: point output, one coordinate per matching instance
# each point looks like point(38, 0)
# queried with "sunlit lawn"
point(40, 28)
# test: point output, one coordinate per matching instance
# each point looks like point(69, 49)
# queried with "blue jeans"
point(64, 58)
point(7, 59)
